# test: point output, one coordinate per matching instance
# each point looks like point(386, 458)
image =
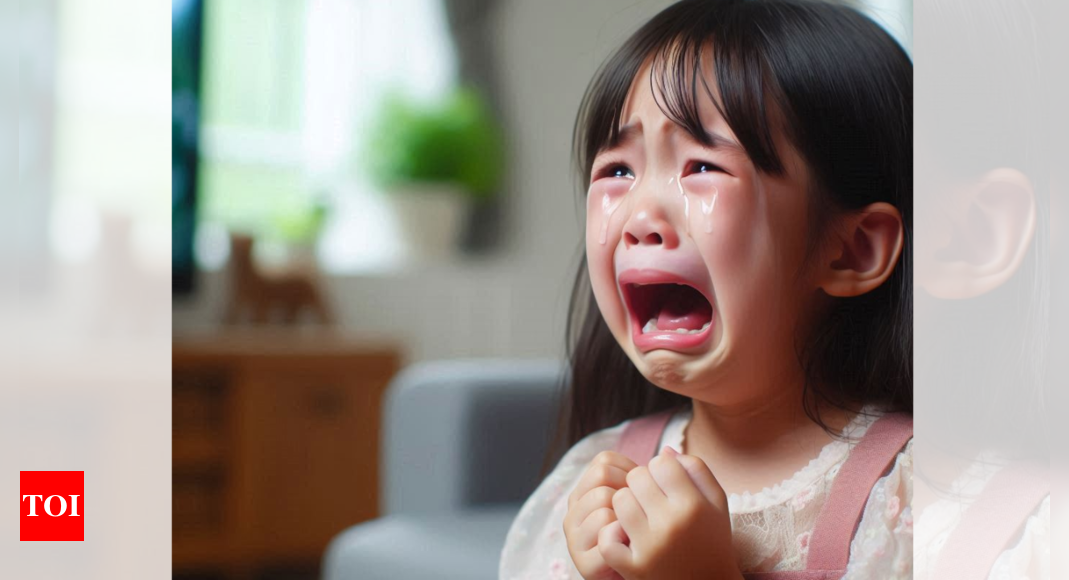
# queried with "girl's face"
point(695, 258)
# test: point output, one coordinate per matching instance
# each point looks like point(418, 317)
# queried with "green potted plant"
point(433, 162)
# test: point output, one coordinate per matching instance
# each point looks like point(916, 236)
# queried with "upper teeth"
point(651, 325)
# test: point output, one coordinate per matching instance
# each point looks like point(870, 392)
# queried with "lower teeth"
point(651, 326)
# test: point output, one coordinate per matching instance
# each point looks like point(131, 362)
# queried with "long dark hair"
point(843, 91)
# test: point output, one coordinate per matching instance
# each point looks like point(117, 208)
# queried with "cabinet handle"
point(327, 402)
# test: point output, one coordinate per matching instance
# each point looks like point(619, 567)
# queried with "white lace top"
point(770, 529)
point(1028, 559)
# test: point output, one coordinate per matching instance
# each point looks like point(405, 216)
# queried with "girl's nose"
point(648, 226)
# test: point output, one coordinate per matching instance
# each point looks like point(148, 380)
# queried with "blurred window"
point(289, 88)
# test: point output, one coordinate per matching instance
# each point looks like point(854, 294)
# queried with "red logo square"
point(52, 506)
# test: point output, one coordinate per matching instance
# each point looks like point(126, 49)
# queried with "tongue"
point(686, 309)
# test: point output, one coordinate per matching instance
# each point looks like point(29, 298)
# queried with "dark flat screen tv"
point(187, 18)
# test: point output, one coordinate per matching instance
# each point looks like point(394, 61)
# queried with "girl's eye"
point(616, 170)
point(704, 167)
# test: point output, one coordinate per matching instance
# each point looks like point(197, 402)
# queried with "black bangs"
point(677, 45)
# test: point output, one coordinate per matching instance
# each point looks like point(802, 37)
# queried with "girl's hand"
point(672, 523)
point(590, 509)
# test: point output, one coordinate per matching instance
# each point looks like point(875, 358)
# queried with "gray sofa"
point(463, 444)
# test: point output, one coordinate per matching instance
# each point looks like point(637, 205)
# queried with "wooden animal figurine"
point(263, 298)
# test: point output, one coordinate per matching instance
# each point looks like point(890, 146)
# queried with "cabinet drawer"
point(310, 441)
point(198, 397)
point(197, 501)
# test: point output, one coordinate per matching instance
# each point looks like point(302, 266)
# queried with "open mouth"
point(670, 315)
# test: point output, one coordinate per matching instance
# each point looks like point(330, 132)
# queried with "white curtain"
point(356, 51)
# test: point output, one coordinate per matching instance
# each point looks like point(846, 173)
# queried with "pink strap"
point(640, 437)
point(829, 546)
point(991, 523)
point(796, 575)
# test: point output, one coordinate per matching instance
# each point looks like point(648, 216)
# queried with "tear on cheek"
point(704, 194)
point(609, 205)
point(708, 206)
point(604, 198)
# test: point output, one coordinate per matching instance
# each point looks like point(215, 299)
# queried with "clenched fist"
point(590, 511)
point(672, 523)
point(666, 521)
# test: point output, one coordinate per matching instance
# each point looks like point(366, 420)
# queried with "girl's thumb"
point(702, 477)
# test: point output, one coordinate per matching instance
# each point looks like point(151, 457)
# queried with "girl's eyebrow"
point(623, 135)
point(714, 140)
point(717, 140)
point(710, 139)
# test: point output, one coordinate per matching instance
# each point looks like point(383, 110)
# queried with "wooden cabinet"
point(275, 448)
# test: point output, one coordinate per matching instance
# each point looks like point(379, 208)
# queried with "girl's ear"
point(977, 237)
point(864, 251)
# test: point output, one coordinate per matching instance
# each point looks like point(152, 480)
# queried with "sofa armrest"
point(466, 433)
point(455, 546)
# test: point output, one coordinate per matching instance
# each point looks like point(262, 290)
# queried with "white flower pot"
point(429, 218)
